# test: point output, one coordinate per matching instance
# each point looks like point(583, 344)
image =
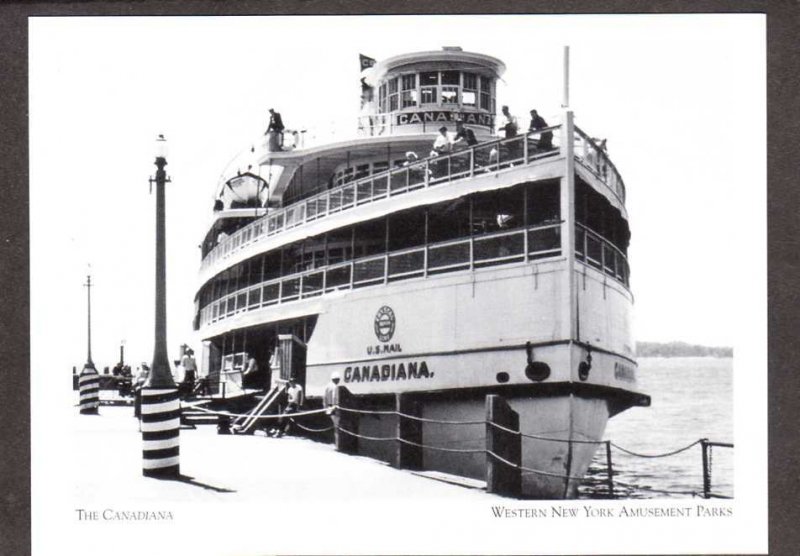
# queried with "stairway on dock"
point(244, 424)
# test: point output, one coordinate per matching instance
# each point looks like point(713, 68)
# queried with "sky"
point(680, 98)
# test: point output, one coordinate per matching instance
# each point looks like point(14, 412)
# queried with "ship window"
point(428, 95)
point(347, 175)
point(362, 170)
point(392, 103)
point(378, 167)
point(470, 81)
point(340, 245)
point(544, 204)
point(448, 221)
point(409, 98)
point(382, 97)
point(370, 237)
point(497, 211)
point(450, 78)
point(407, 229)
point(409, 82)
point(392, 86)
point(429, 78)
point(468, 98)
point(449, 95)
point(486, 84)
point(485, 104)
point(272, 265)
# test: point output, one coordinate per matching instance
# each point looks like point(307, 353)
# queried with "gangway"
point(243, 424)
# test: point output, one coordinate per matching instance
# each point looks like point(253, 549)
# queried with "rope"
point(439, 448)
point(672, 453)
point(366, 411)
point(535, 437)
point(529, 471)
point(414, 417)
point(365, 437)
point(442, 421)
point(275, 416)
point(309, 429)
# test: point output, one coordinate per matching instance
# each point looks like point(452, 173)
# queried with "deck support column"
point(502, 477)
point(408, 454)
point(346, 422)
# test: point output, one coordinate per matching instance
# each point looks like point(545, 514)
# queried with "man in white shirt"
point(294, 400)
point(442, 143)
point(508, 123)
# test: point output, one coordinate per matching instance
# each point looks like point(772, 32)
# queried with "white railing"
point(594, 157)
point(449, 256)
point(596, 251)
point(490, 156)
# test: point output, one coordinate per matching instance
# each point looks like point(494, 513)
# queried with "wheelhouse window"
point(428, 81)
point(382, 97)
point(449, 95)
point(443, 88)
point(487, 99)
point(408, 96)
point(393, 97)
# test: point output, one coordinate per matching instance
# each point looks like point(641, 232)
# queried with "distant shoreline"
point(680, 349)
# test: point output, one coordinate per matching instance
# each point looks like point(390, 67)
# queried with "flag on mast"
point(366, 61)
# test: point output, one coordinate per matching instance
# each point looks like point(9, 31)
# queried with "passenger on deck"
point(537, 123)
point(442, 144)
point(464, 135)
point(275, 131)
point(411, 158)
point(508, 124)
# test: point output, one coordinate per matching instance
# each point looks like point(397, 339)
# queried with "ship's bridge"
point(419, 92)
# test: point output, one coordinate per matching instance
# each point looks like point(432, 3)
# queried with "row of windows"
point(445, 88)
point(477, 214)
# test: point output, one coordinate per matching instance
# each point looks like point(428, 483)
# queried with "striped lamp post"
point(89, 379)
point(160, 417)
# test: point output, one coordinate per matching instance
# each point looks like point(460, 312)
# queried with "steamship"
point(496, 267)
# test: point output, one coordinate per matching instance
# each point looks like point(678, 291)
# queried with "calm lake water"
point(692, 398)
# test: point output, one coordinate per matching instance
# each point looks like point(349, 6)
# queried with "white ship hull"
point(456, 338)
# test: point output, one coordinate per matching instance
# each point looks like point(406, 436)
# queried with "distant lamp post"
point(160, 413)
point(89, 379)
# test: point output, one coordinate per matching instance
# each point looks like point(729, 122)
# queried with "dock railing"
point(501, 443)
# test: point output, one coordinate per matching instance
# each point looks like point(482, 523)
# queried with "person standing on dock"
point(331, 400)
point(189, 372)
point(275, 131)
point(294, 401)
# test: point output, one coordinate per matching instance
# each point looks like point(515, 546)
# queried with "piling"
point(504, 448)
point(89, 386)
point(408, 454)
point(706, 469)
point(346, 442)
point(609, 470)
point(161, 415)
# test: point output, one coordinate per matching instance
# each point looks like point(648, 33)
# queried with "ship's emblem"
point(384, 324)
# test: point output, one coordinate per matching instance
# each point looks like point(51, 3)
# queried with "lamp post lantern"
point(89, 379)
point(160, 406)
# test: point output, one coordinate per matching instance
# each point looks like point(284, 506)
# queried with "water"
point(692, 398)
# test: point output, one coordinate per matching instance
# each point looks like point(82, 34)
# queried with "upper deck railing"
point(490, 156)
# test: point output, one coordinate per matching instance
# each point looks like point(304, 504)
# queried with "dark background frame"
point(783, 224)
